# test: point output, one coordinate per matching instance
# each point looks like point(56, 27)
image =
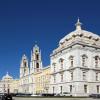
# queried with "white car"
point(63, 94)
point(66, 94)
point(35, 95)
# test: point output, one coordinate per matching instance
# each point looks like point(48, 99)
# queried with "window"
point(96, 76)
point(71, 61)
point(84, 59)
point(96, 61)
point(53, 89)
point(54, 67)
point(84, 75)
point(85, 88)
point(61, 60)
point(97, 88)
point(61, 77)
point(61, 89)
point(54, 78)
point(71, 75)
point(70, 88)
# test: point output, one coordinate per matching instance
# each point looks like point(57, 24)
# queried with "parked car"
point(66, 94)
point(1, 95)
point(63, 94)
point(6, 97)
point(35, 95)
point(94, 95)
point(23, 94)
point(48, 94)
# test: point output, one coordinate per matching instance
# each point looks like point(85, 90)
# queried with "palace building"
point(74, 67)
point(9, 84)
point(75, 64)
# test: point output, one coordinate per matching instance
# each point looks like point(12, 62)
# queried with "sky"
point(22, 22)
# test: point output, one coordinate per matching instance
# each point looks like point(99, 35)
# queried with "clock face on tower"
point(36, 51)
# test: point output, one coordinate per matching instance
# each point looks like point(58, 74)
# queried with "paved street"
point(54, 99)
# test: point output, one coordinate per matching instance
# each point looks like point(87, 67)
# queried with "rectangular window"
point(96, 61)
point(54, 78)
point(53, 89)
point(97, 88)
point(83, 61)
point(71, 75)
point(61, 77)
point(70, 88)
point(61, 89)
point(54, 68)
point(96, 76)
point(85, 88)
point(84, 75)
point(71, 61)
point(61, 60)
point(62, 65)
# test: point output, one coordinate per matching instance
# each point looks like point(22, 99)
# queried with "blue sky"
point(22, 22)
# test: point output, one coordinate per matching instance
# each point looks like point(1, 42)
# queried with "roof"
point(79, 31)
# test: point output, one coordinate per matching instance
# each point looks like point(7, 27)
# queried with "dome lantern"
point(78, 24)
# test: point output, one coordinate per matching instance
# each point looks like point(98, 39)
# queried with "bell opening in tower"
point(37, 65)
point(24, 64)
point(37, 57)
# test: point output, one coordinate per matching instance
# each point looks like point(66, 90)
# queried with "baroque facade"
point(36, 78)
point(74, 67)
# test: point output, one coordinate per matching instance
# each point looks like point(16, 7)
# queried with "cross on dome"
point(78, 24)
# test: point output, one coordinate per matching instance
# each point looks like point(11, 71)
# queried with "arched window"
point(71, 58)
point(84, 60)
point(96, 61)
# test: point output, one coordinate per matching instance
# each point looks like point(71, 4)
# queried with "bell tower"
point(36, 62)
point(24, 69)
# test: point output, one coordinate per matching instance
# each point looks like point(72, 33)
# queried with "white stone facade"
point(75, 64)
point(8, 84)
point(27, 81)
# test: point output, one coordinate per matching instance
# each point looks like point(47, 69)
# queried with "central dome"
point(7, 77)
